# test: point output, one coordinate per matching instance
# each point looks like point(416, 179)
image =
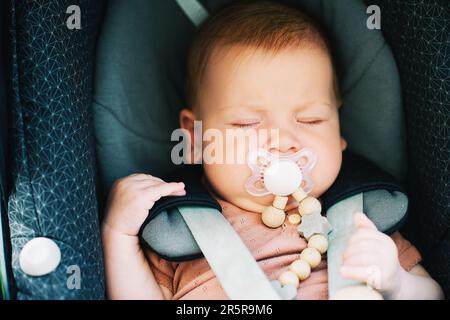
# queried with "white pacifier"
point(280, 175)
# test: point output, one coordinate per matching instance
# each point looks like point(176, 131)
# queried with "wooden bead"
point(289, 277)
point(309, 205)
point(319, 242)
point(287, 292)
point(301, 268)
point(312, 256)
point(273, 217)
point(299, 194)
point(280, 202)
point(294, 218)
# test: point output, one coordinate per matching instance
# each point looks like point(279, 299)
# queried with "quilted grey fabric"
point(54, 192)
point(419, 33)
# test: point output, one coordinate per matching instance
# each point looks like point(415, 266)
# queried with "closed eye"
point(311, 122)
point(245, 124)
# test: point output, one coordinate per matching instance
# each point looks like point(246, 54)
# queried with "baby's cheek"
point(326, 170)
point(227, 180)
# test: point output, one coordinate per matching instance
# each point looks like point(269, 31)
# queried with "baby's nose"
point(283, 151)
point(285, 144)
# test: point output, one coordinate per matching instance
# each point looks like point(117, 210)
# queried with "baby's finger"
point(146, 177)
point(179, 193)
point(164, 189)
point(361, 274)
point(364, 245)
point(362, 221)
point(135, 174)
point(365, 234)
point(362, 259)
point(143, 184)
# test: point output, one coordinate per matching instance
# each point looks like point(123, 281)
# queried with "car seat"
point(50, 187)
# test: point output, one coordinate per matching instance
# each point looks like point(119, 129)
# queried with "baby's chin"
point(255, 204)
point(251, 203)
point(247, 203)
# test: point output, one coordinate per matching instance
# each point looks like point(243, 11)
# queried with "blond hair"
point(259, 24)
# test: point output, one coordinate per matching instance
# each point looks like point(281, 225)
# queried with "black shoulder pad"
point(385, 201)
point(196, 193)
point(164, 230)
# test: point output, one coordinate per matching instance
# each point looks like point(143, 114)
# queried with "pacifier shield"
point(280, 175)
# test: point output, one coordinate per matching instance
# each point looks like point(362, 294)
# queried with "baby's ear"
point(187, 119)
point(187, 122)
point(343, 144)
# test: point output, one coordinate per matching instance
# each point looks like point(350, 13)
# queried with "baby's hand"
point(131, 197)
point(371, 257)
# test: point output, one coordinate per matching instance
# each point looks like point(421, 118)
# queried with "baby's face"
point(290, 91)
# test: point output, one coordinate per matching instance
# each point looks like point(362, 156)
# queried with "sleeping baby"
point(256, 66)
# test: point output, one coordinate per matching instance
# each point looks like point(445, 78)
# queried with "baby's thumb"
point(361, 221)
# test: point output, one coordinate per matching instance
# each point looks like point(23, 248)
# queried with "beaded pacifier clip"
point(284, 176)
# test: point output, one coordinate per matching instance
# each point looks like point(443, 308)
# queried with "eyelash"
point(312, 123)
point(244, 125)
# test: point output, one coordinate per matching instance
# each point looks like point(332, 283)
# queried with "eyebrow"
point(313, 103)
point(260, 107)
point(251, 107)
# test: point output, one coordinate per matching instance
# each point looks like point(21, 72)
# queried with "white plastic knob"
point(39, 257)
point(282, 177)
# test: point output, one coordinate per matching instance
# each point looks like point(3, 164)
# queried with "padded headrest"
point(140, 75)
